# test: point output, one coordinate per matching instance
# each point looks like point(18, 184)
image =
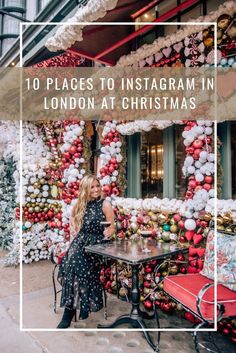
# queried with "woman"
point(80, 271)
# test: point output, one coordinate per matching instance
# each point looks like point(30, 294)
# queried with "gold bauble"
point(162, 218)
point(207, 217)
point(33, 196)
point(36, 185)
point(173, 228)
point(227, 219)
point(45, 209)
point(37, 209)
point(31, 210)
point(172, 221)
point(42, 181)
point(219, 220)
point(220, 228)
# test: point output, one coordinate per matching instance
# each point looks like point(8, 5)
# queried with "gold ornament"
point(162, 218)
point(174, 228)
point(207, 217)
point(227, 219)
point(219, 220)
point(172, 221)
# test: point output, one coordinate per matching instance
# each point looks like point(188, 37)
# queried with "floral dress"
point(79, 272)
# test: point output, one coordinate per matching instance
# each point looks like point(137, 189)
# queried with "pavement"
point(40, 321)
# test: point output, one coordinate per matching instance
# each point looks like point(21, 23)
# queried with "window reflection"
point(152, 172)
point(181, 181)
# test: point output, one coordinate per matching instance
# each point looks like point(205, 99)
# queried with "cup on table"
point(105, 224)
point(145, 234)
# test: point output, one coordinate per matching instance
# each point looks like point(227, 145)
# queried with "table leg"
point(134, 318)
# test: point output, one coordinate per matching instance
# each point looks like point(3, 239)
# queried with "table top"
point(131, 251)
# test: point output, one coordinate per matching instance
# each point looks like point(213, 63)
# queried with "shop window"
point(14, 3)
point(181, 181)
point(11, 25)
point(148, 16)
point(233, 158)
point(152, 165)
point(42, 4)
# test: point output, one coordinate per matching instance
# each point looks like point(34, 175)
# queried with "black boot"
point(66, 318)
point(83, 314)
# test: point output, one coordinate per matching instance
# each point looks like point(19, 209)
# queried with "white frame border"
point(215, 176)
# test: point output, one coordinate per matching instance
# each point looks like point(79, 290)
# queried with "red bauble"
point(207, 186)
point(183, 269)
point(189, 235)
point(115, 191)
point(189, 194)
point(107, 189)
point(199, 187)
point(148, 269)
point(72, 149)
point(182, 239)
point(181, 224)
point(177, 217)
point(197, 143)
point(147, 304)
point(208, 179)
point(147, 284)
point(111, 169)
point(192, 184)
point(197, 238)
point(113, 161)
point(189, 150)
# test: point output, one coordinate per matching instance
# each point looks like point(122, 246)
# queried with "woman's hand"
point(110, 217)
point(108, 232)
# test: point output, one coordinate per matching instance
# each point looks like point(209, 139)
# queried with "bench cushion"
point(185, 289)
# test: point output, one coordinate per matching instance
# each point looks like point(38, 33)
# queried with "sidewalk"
point(38, 313)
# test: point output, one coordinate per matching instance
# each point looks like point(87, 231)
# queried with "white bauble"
point(189, 160)
point(191, 169)
point(203, 155)
point(28, 224)
point(190, 224)
point(199, 177)
point(208, 130)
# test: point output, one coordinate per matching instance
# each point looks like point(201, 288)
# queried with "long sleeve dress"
point(80, 271)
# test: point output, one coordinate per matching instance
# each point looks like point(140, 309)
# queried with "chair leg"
point(195, 336)
point(54, 288)
point(105, 302)
point(158, 325)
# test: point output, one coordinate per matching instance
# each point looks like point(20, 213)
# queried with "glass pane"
point(233, 158)
point(16, 3)
point(152, 172)
point(7, 44)
point(11, 25)
point(148, 16)
point(181, 181)
point(42, 4)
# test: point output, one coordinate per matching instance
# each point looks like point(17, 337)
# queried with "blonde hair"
point(78, 210)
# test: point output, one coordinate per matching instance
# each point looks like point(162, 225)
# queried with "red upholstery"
point(185, 289)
